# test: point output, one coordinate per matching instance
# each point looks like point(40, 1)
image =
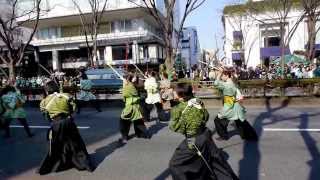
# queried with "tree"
point(166, 23)
point(14, 36)
point(91, 24)
point(312, 14)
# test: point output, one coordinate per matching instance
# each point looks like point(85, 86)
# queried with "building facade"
point(190, 47)
point(128, 34)
point(255, 39)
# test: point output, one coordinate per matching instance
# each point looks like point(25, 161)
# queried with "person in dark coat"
point(197, 157)
point(66, 147)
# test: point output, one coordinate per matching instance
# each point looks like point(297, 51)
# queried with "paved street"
point(279, 155)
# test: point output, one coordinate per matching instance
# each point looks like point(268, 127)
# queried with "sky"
point(207, 20)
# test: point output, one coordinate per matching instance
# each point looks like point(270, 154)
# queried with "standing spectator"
point(153, 96)
point(166, 92)
point(316, 71)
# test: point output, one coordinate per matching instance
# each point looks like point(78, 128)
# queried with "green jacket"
point(57, 103)
point(188, 120)
point(12, 103)
point(86, 84)
point(132, 110)
point(231, 111)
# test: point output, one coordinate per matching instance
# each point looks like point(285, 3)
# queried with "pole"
point(115, 71)
point(139, 70)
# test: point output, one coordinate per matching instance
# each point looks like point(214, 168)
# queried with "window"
point(101, 53)
point(128, 25)
point(44, 33)
point(69, 31)
point(121, 52)
point(122, 26)
point(272, 41)
point(104, 28)
point(125, 25)
point(113, 27)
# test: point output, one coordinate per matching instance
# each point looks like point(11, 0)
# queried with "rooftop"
point(257, 7)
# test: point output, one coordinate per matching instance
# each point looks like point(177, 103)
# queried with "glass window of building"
point(128, 25)
point(69, 31)
point(122, 26)
point(44, 33)
point(113, 27)
point(101, 53)
point(121, 52)
point(104, 28)
point(272, 42)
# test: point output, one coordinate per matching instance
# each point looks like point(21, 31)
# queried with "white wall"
point(252, 35)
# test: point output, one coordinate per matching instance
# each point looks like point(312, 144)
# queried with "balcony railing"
point(80, 39)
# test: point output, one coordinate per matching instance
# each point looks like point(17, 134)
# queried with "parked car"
point(105, 79)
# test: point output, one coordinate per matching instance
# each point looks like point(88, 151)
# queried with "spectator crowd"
point(291, 71)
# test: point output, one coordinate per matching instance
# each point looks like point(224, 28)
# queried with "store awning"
point(273, 51)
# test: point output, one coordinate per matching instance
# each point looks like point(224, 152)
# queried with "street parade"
point(159, 89)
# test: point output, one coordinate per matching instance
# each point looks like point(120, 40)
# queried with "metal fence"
point(205, 89)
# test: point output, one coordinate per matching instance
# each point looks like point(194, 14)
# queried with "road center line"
point(291, 130)
point(44, 127)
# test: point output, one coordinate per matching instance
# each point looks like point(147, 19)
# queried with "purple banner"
point(237, 35)
point(237, 56)
point(273, 51)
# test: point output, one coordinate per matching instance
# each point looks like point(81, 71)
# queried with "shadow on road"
point(155, 128)
point(101, 153)
point(311, 144)
point(18, 156)
point(164, 175)
point(250, 163)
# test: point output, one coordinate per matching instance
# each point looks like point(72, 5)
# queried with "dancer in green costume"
point(12, 103)
point(197, 157)
point(232, 110)
point(132, 112)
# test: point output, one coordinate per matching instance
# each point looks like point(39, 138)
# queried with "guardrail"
point(205, 89)
point(265, 88)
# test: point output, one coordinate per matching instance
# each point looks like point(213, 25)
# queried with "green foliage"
point(262, 83)
point(257, 7)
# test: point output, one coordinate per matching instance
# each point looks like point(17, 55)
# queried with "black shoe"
point(123, 141)
point(30, 135)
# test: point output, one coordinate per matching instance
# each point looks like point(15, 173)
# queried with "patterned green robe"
point(132, 110)
point(231, 111)
point(10, 102)
point(188, 121)
point(85, 94)
point(57, 103)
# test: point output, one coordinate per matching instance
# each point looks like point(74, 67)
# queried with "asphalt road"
point(279, 155)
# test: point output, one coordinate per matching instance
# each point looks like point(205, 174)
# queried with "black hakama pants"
point(140, 128)
point(66, 150)
point(186, 164)
point(247, 132)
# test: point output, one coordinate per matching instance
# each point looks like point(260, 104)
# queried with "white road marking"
point(291, 130)
point(44, 127)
